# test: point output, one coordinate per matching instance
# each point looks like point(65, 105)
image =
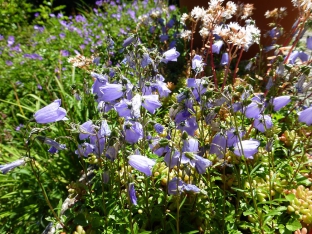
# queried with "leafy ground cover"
point(165, 138)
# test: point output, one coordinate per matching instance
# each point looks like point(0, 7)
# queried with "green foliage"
point(14, 14)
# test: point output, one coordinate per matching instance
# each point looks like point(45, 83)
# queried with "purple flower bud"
point(263, 123)
point(224, 59)
point(309, 43)
point(132, 195)
point(52, 150)
point(269, 84)
point(51, 113)
point(216, 47)
point(7, 167)
point(163, 37)
point(280, 102)
point(128, 41)
point(170, 55)
point(142, 164)
point(159, 128)
point(305, 116)
point(52, 143)
point(250, 147)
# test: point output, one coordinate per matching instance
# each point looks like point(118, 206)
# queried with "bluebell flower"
point(172, 158)
point(190, 188)
point(112, 152)
point(263, 123)
point(123, 108)
point(111, 92)
point(199, 87)
point(275, 33)
point(146, 60)
point(133, 131)
point(170, 55)
point(189, 125)
point(142, 164)
point(10, 166)
point(293, 56)
point(218, 145)
point(304, 57)
point(159, 128)
point(280, 102)
point(232, 136)
point(128, 41)
point(136, 106)
point(51, 142)
point(189, 155)
point(86, 129)
point(280, 69)
point(150, 103)
point(104, 129)
point(162, 88)
point(255, 108)
point(98, 142)
point(305, 116)
point(51, 113)
point(216, 47)
point(132, 195)
point(84, 149)
point(182, 115)
point(99, 82)
point(52, 150)
point(159, 146)
point(197, 63)
point(175, 186)
point(249, 148)
point(224, 59)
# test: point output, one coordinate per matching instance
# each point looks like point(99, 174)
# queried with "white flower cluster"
point(186, 34)
point(238, 35)
point(198, 13)
point(305, 5)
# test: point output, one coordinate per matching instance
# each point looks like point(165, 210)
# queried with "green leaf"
point(290, 197)
point(277, 211)
point(293, 224)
